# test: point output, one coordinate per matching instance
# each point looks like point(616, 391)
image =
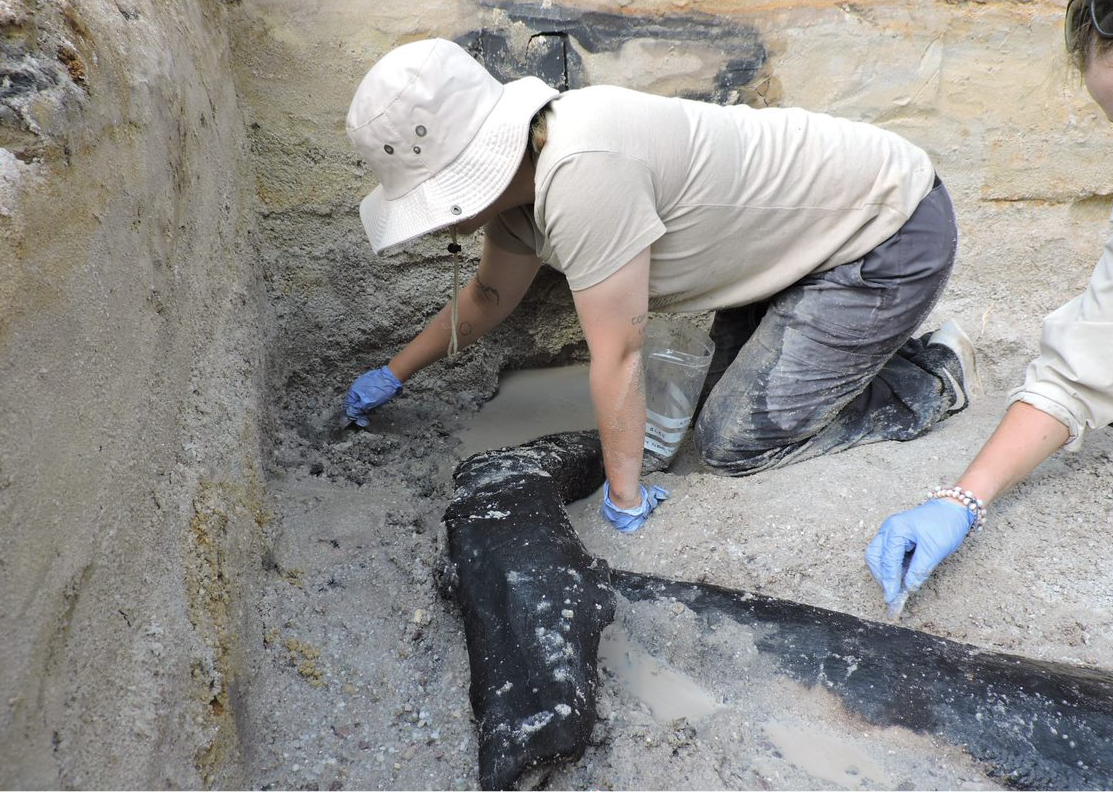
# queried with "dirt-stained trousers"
point(830, 362)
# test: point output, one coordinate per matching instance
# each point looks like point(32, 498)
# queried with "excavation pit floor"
point(360, 677)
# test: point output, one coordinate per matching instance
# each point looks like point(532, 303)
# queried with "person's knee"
point(727, 456)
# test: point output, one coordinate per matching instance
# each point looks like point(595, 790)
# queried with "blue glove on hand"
point(372, 389)
point(933, 530)
point(629, 520)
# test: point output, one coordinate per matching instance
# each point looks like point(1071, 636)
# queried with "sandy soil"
point(360, 669)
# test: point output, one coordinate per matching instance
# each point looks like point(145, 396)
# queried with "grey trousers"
point(830, 362)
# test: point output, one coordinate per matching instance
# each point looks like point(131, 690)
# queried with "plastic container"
point(676, 356)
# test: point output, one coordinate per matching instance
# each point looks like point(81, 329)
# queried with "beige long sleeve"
point(1072, 379)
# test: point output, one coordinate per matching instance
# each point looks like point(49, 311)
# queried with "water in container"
point(676, 356)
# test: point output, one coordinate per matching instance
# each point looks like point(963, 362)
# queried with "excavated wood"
point(534, 603)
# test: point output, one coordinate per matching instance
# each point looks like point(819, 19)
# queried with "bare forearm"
point(1024, 438)
point(618, 393)
point(478, 312)
point(613, 314)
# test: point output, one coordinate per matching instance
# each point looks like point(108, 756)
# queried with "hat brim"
point(470, 183)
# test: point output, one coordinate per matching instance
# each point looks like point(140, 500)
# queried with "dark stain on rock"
point(22, 80)
point(43, 68)
point(553, 52)
point(546, 55)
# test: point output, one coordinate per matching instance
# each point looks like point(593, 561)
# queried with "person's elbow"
point(622, 352)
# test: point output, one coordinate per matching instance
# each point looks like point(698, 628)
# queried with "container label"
point(668, 430)
point(658, 448)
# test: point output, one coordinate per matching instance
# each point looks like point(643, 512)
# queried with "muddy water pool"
point(531, 403)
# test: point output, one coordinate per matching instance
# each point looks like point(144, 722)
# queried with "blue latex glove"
point(372, 389)
point(630, 520)
point(931, 531)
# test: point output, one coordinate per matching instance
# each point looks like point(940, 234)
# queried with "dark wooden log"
point(534, 603)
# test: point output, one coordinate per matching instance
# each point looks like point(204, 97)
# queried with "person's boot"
point(958, 368)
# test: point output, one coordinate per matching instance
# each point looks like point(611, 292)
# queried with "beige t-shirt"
point(734, 203)
point(1072, 379)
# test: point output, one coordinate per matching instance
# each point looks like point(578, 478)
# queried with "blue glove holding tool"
point(931, 532)
point(630, 520)
point(371, 390)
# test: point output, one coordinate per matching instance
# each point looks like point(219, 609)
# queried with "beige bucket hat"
point(443, 136)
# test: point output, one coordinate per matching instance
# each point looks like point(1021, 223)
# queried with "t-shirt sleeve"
point(514, 231)
point(1072, 379)
point(597, 210)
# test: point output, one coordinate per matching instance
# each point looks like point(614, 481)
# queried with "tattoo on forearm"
point(639, 319)
point(465, 328)
point(487, 292)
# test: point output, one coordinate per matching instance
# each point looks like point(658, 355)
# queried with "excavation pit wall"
point(132, 484)
point(204, 582)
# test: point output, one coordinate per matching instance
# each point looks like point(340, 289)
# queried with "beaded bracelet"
point(968, 499)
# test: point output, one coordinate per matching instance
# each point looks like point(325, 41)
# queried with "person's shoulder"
point(582, 119)
point(597, 98)
point(599, 113)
